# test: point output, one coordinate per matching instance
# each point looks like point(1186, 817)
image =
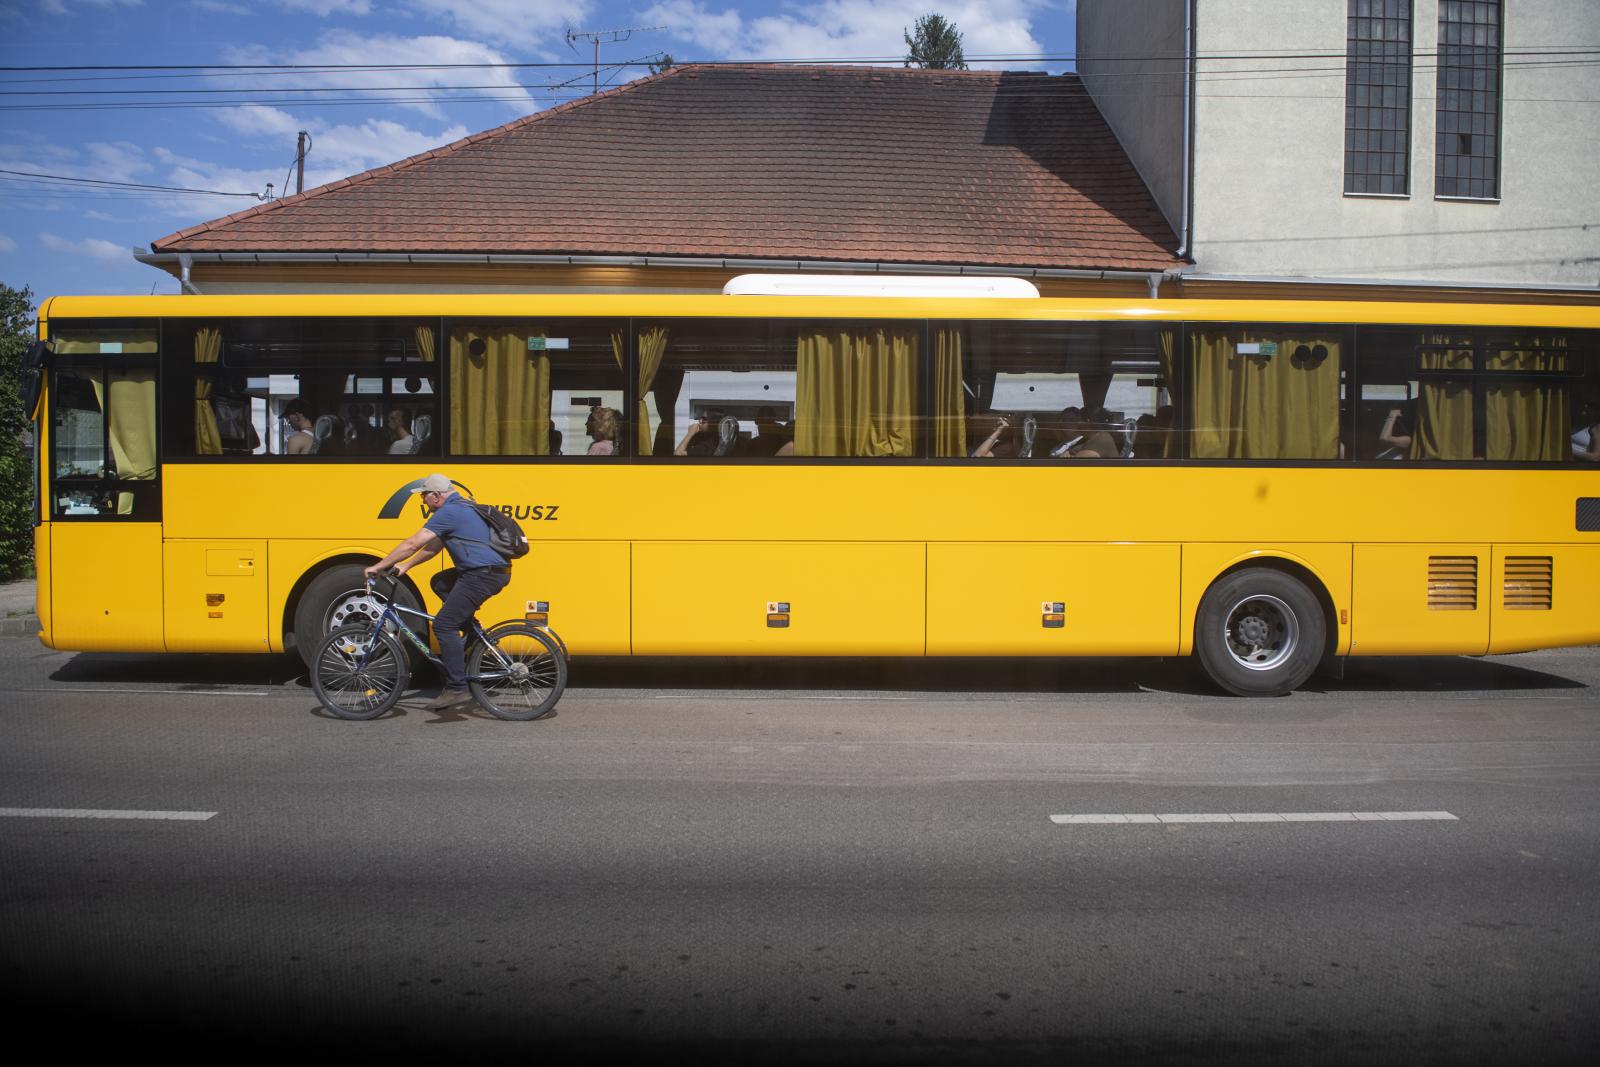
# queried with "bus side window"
point(103, 423)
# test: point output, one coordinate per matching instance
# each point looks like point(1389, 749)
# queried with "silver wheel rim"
point(1261, 633)
point(352, 606)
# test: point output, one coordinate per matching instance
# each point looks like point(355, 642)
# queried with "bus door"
point(102, 506)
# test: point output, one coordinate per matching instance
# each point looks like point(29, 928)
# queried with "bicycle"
point(515, 669)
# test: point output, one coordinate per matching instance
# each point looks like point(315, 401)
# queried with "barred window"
point(1467, 157)
point(1377, 111)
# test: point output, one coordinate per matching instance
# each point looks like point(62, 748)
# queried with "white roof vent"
point(911, 285)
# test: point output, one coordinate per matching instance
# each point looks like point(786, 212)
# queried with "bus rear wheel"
point(338, 597)
point(1259, 632)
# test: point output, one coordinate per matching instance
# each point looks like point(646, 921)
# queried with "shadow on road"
point(1442, 674)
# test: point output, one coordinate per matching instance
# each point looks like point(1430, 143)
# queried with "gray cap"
point(435, 483)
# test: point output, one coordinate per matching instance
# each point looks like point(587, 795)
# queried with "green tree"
point(659, 65)
point(16, 503)
point(935, 44)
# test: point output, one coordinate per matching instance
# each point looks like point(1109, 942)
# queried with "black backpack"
point(505, 533)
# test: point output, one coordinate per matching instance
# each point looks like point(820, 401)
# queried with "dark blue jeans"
point(464, 592)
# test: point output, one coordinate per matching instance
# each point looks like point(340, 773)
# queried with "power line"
point(63, 178)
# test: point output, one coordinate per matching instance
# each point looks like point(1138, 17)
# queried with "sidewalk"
point(16, 609)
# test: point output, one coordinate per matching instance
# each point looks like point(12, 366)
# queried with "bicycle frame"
point(392, 613)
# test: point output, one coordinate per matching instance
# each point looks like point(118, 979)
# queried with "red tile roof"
point(853, 164)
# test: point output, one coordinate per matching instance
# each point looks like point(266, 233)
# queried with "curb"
point(19, 626)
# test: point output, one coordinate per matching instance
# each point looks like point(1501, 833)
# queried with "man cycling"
point(479, 573)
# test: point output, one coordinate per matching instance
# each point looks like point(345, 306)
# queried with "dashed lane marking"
point(103, 813)
point(1129, 818)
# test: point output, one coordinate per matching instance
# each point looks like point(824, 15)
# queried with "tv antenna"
point(604, 37)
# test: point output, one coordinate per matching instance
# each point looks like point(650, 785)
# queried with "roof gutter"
point(185, 260)
point(1390, 283)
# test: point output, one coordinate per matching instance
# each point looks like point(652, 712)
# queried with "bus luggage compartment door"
point(105, 586)
point(1417, 600)
point(216, 596)
point(1000, 599)
point(778, 599)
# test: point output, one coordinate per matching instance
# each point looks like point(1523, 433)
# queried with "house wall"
point(1269, 195)
point(1131, 59)
point(230, 278)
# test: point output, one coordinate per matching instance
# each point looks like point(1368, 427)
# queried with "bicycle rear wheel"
point(359, 673)
point(518, 673)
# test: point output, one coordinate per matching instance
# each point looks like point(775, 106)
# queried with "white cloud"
point(841, 29)
point(324, 8)
point(7, 244)
point(92, 247)
point(523, 22)
point(64, 7)
point(345, 48)
point(337, 150)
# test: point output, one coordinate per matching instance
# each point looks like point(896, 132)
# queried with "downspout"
point(186, 261)
point(1188, 127)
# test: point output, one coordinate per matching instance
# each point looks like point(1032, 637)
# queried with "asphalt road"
point(808, 862)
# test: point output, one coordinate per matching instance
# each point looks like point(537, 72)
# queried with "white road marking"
point(102, 813)
point(1258, 816)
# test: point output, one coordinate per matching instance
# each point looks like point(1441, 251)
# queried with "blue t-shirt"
point(465, 534)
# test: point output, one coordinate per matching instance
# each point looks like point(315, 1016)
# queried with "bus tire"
point(338, 597)
point(1259, 632)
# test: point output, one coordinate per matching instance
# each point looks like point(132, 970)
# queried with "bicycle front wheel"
point(518, 673)
point(359, 673)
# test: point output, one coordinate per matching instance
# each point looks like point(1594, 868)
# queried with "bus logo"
point(395, 504)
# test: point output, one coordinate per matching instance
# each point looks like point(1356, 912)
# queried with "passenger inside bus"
point(1395, 437)
point(402, 441)
point(300, 440)
point(700, 441)
point(771, 436)
point(1000, 444)
point(1586, 438)
point(602, 429)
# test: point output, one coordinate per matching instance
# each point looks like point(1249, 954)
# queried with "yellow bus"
point(1265, 485)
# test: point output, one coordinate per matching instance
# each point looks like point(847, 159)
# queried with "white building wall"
point(1269, 195)
point(1131, 59)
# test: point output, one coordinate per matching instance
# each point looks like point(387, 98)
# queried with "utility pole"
point(609, 37)
point(300, 161)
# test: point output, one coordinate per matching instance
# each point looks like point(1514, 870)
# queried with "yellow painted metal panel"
point(586, 586)
point(216, 596)
point(1392, 613)
point(105, 588)
point(844, 599)
point(1574, 614)
point(42, 584)
point(989, 599)
point(1106, 308)
point(1328, 563)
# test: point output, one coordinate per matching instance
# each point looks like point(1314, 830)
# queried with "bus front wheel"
point(1259, 632)
point(337, 597)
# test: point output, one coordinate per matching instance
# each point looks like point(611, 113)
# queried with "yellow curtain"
point(131, 412)
point(499, 394)
point(1528, 420)
point(1167, 349)
point(1264, 407)
point(207, 349)
point(425, 343)
point(652, 347)
point(95, 342)
point(854, 392)
point(1443, 427)
point(949, 410)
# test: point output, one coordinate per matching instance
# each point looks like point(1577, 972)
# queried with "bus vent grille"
point(1529, 580)
point(1452, 583)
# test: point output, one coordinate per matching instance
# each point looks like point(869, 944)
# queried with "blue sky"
point(98, 124)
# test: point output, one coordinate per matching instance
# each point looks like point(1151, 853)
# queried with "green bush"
point(16, 498)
